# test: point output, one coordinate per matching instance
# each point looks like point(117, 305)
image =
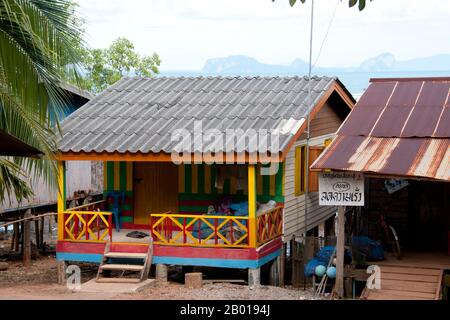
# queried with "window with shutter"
point(300, 170)
point(314, 153)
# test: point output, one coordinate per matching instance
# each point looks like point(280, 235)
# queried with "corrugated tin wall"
point(78, 177)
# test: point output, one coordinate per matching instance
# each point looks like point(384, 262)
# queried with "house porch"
point(181, 231)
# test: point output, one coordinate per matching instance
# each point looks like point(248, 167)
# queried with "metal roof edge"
point(75, 90)
point(438, 79)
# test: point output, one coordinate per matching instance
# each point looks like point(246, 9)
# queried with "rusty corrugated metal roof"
point(399, 127)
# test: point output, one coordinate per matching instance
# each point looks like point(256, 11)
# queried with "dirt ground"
point(40, 282)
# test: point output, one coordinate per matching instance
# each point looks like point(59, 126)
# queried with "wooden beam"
point(162, 157)
point(27, 240)
point(319, 105)
point(371, 174)
point(339, 288)
point(344, 96)
point(30, 218)
point(313, 113)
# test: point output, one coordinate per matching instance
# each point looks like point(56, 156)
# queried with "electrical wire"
point(326, 34)
point(308, 118)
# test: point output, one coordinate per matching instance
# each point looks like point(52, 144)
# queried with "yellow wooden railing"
point(269, 225)
point(87, 226)
point(200, 230)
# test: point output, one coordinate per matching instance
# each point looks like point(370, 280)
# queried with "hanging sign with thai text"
point(341, 189)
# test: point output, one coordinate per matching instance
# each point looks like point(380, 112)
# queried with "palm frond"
point(37, 50)
point(12, 181)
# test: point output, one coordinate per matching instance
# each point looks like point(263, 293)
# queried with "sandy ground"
point(40, 282)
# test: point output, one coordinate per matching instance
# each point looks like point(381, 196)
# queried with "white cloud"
point(187, 32)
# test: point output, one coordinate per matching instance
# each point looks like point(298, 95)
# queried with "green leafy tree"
point(36, 51)
point(103, 67)
point(351, 3)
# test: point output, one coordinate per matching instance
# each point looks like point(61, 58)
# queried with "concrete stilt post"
point(161, 272)
point(62, 277)
point(254, 277)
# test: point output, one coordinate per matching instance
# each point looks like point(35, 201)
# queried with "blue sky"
point(187, 32)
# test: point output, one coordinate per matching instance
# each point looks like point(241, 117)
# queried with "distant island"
point(384, 62)
point(355, 78)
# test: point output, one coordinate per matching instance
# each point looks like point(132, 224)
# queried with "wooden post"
point(50, 226)
point(27, 240)
point(61, 198)
point(282, 264)
point(275, 272)
point(297, 263)
point(41, 232)
point(348, 281)
point(252, 205)
point(36, 233)
point(61, 265)
point(321, 228)
point(21, 236)
point(17, 243)
point(294, 280)
point(110, 227)
point(340, 242)
point(14, 236)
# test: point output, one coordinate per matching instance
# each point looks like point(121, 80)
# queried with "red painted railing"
point(269, 225)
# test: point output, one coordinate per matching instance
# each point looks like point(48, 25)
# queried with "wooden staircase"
point(134, 263)
point(407, 283)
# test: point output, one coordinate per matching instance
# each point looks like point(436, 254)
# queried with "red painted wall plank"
point(77, 247)
point(270, 247)
point(198, 252)
point(168, 251)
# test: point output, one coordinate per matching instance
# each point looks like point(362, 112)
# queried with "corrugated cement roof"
point(141, 114)
point(398, 127)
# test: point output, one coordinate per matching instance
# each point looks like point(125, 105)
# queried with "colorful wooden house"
point(190, 159)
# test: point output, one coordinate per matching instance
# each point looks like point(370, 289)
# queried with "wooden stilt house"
point(188, 156)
